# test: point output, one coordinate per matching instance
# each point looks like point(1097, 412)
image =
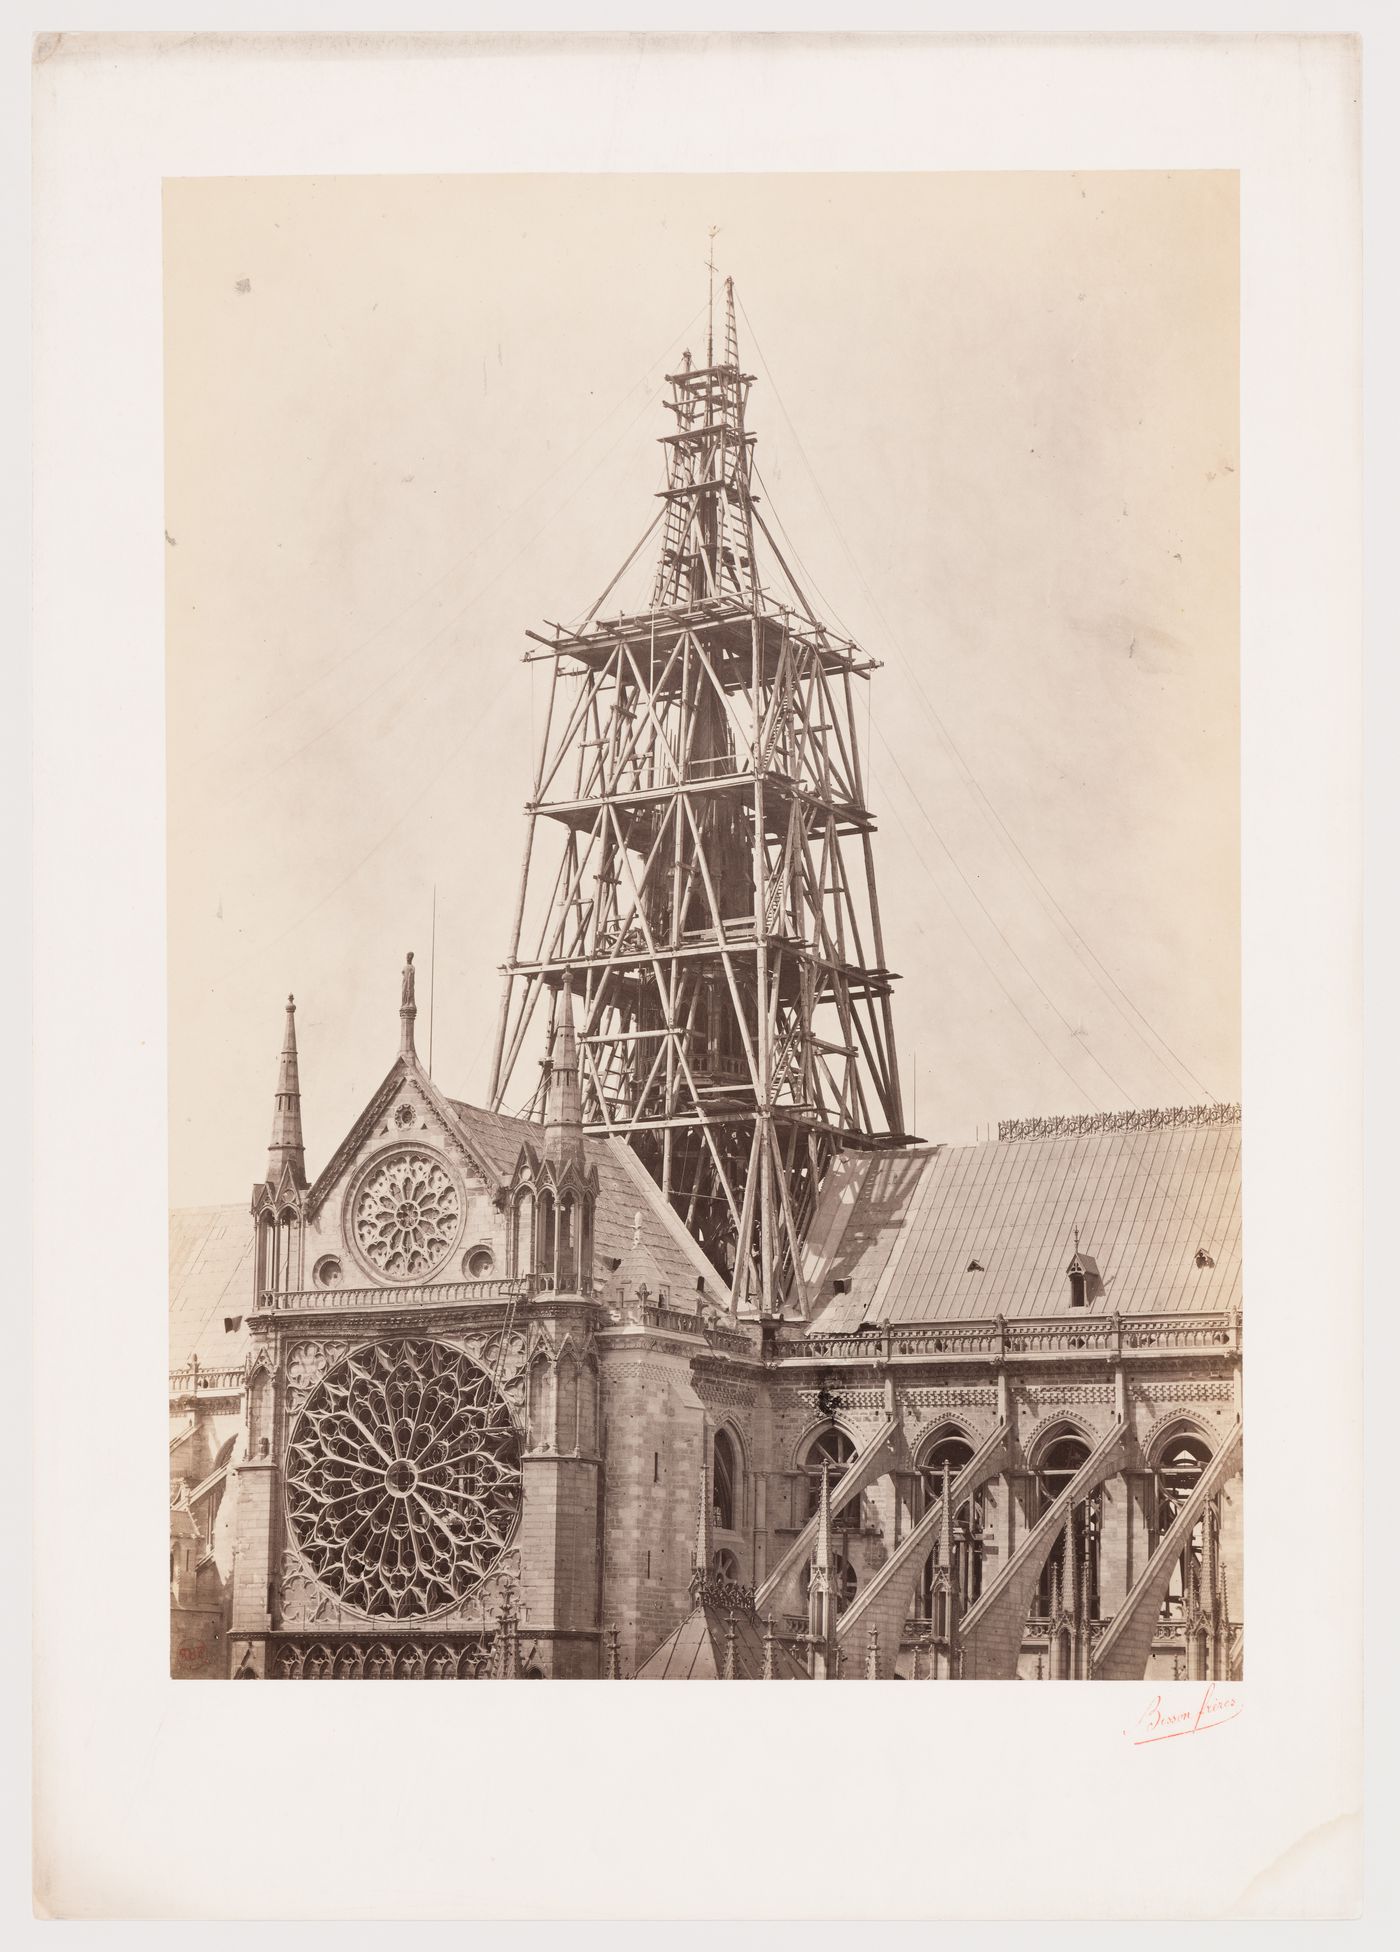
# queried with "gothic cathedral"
point(707, 1368)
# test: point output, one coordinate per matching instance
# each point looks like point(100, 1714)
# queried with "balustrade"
point(411, 1294)
point(1031, 1335)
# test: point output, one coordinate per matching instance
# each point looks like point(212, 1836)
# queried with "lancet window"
point(728, 1487)
point(1179, 1467)
point(968, 1524)
point(834, 1448)
point(1057, 1466)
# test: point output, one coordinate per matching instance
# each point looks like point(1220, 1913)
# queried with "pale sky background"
point(410, 418)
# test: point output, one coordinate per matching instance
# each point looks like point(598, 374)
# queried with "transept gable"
point(406, 1106)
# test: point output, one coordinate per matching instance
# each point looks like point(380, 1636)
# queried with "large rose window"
point(403, 1478)
point(407, 1215)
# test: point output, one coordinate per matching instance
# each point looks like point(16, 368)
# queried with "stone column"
point(1231, 1568)
point(254, 1486)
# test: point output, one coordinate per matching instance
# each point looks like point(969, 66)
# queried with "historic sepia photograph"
point(703, 786)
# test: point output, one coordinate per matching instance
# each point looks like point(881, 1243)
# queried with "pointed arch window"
point(834, 1448)
point(539, 1402)
point(564, 1257)
point(522, 1233)
point(286, 1236)
point(968, 1522)
point(728, 1484)
point(545, 1233)
point(566, 1401)
point(267, 1254)
point(1057, 1467)
point(1179, 1467)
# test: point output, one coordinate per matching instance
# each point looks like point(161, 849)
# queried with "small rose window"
point(407, 1216)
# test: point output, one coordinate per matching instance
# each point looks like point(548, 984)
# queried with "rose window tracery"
point(403, 1478)
point(407, 1216)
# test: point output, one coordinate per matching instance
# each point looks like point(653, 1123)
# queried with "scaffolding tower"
point(698, 868)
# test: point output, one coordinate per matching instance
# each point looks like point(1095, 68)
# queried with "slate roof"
point(210, 1278)
point(695, 1651)
point(1145, 1202)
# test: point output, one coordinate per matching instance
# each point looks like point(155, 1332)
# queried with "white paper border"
point(155, 1799)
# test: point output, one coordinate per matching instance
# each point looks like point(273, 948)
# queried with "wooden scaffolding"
point(698, 868)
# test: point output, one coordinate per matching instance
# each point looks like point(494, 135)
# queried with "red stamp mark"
point(1164, 1721)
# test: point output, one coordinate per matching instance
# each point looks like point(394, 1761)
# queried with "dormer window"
point(1203, 1259)
point(1085, 1284)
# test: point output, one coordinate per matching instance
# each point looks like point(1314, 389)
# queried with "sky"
point(409, 419)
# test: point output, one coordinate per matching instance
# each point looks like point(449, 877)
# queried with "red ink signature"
point(1162, 1721)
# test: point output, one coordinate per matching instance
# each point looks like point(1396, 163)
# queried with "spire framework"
point(699, 871)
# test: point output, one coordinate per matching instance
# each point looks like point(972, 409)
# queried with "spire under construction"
point(698, 867)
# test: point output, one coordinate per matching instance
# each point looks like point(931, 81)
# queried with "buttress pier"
point(699, 870)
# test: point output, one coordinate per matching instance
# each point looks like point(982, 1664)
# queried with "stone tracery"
point(407, 1216)
point(403, 1479)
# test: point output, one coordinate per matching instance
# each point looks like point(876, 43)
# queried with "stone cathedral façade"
point(707, 1368)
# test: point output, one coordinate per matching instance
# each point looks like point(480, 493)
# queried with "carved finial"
point(408, 1009)
point(770, 1672)
point(563, 1118)
point(730, 1666)
point(285, 1149)
point(704, 1529)
point(507, 1649)
point(821, 1550)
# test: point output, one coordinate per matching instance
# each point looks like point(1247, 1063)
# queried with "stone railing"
point(412, 1294)
point(1110, 1335)
point(643, 1312)
point(195, 1377)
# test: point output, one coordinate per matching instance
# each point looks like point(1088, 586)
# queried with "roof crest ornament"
point(1145, 1118)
